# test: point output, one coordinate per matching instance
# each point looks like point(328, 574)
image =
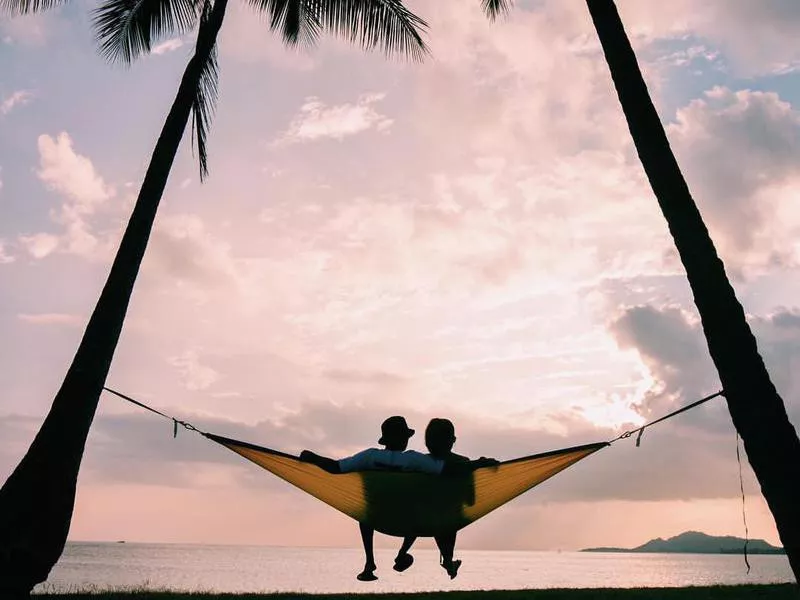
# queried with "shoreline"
point(782, 591)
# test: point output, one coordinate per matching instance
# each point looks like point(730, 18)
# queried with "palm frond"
point(495, 8)
point(205, 99)
point(14, 8)
point(369, 23)
point(296, 20)
point(126, 29)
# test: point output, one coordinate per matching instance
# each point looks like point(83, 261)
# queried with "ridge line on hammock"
point(222, 440)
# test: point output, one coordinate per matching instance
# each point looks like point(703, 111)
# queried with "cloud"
point(316, 120)
point(5, 258)
point(195, 376)
point(356, 377)
point(501, 78)
point(689, 55)
point(28, 30)
point(66, 172)
point(739, 152)
point(73, 176)
point(683, 459)
point(755, 36)
point(183, 249)
point(167, 46)
point(672, 346)
point(51, 319)
point(15, 100)
point(462, 267)
point(39, 245)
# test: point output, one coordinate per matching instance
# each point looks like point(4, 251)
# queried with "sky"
point(471, 237)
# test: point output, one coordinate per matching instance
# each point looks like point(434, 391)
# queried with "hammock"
point(418, 504)
point(414, 504)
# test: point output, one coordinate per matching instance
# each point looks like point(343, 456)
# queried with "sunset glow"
point(471, 237)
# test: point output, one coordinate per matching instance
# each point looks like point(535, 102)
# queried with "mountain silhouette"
point(696, 542)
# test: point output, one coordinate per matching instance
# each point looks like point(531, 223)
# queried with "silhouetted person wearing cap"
point(395, 434)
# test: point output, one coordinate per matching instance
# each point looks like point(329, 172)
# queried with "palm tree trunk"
point(757, 410)
point(37, 500)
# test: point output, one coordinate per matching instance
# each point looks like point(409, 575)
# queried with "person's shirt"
point(379, 459)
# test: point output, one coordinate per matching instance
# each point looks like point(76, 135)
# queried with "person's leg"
point(403, 560)
point(367, 538)
point(447, 546)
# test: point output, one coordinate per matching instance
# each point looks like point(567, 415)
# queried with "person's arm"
point(462, 468)
point(323, 462)
point(361, 461)
point(421, 463)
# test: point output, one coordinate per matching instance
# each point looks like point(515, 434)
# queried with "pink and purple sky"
point(470, 237)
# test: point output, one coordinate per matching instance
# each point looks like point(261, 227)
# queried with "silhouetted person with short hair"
point(440, 436)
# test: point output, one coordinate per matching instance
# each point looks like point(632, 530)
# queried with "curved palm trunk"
point(37, 500)
point(757, 410)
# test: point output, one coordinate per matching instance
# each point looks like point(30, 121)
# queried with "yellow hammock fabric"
point(417, 504)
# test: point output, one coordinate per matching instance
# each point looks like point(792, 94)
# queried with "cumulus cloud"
point(739, 151)
point(73, 176)
point(501, 78)
point(15, 100)
point(756, 36)
point(195, 375)
point(183, 249)
point(671, 344)
point(39, 245)
point(64, 171)
point(5, 257)
point(137, 449)
point(316, 120)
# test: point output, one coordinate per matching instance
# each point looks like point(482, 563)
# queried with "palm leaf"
point(205, 98)
point(24, 7)
point(495, 8)
point(369, 23)
point(126, 29)
point(296, 20)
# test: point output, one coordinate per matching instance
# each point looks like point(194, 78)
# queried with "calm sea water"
point(266, 569)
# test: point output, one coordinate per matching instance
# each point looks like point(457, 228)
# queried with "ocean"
point(101, 566)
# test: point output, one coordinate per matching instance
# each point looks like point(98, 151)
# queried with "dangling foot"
point(403, 561)
point(451, 567)
point(368, 574)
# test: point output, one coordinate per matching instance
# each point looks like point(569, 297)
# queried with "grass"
point(733, 592)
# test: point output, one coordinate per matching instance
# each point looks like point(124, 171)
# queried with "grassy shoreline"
point(784, 591)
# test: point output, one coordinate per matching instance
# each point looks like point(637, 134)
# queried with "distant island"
point(695, 542)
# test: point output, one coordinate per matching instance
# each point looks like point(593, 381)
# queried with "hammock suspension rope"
point(402, 504)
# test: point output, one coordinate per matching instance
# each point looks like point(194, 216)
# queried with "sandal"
point(367, 576)
point(402, 562)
